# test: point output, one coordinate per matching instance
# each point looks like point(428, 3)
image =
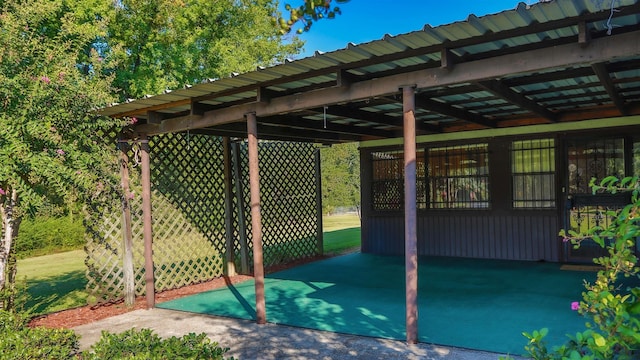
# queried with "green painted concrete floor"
point(468, 303)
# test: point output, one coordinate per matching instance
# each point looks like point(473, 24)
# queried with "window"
point(458, 177)
point(594, 159)
point(533, 173)
point(388, 180)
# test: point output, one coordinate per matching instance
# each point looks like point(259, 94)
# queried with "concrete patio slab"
point(247, 340)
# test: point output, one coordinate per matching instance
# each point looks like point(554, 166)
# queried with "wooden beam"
point(410, 214)
point(319, 227)
point(444, 109)
point(499, 89)
point(242, 222)
point(605, 49)
point(306, 124)
point(128, 277)
point(147, 230)
point(600, 69)
point(344, 78)
point(230, 250)
point(275, 131)
point(256, 218)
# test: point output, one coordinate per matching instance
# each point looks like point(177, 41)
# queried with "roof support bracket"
point(447, 59)
point(265, 95)
point(583, 34)
point(344, 78)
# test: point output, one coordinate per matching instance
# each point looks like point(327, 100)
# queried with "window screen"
point(458, 177)
point(533, 173)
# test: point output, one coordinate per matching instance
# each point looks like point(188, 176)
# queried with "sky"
point(366, 20)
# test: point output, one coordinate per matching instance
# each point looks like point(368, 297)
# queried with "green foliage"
point(43, 235)
point(18, 341)
point(50, 153)
point(155, 45)
point(309, 12)
point(612, 303)
point(145, 344)
point(340, 177)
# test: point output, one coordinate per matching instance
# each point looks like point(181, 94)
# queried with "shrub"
point(144, 344)
point(49, 234)
point(18, 341)
point(612, 303)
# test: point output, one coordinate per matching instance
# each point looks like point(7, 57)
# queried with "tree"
point(340, 177)
point(155, 45)
point(48, 151)
point(306, 14)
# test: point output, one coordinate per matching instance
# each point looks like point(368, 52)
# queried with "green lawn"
point(341, 233)
point(57, 282)
point(54, 282)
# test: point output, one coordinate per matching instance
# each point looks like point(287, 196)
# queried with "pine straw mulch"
point(70, 318)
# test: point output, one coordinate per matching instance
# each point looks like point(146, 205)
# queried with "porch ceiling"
point(546, 63)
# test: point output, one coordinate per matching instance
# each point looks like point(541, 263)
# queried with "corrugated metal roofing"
point(519, 30)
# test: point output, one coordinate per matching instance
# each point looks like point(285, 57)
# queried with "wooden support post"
point(145, 168)
point(256, 220)
point(319, 235)
point(127, 235)
point(230, 268)
point(242, 223)
point(410, 218)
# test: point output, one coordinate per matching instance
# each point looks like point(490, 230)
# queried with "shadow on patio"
point(467, 303)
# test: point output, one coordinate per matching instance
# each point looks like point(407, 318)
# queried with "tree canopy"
point(154, 45)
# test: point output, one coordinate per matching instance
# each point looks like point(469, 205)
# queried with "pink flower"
point(2, 192)
point(134, 120)
point(131, 195)
point(45, 79)
point(60, 152)
point(565, 239)
point(99, 59)
point(575, 306)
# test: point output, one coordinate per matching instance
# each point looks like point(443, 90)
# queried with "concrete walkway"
point(247, 340)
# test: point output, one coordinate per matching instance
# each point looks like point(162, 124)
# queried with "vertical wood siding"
point(514, 236)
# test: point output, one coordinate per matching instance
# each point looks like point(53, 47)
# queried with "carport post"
point(147, 230)
point(256, 221)
point(410, 226)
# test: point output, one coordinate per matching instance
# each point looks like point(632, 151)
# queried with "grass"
point(57, 282)
point(54, 282)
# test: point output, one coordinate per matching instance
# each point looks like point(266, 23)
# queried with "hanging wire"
point(325, 116)
point(610, 26)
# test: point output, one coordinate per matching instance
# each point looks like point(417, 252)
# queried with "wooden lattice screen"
point(188, 201)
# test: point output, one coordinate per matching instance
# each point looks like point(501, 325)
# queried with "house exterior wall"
point(497, 231)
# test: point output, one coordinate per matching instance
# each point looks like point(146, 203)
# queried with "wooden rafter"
point(499, 89)
point(600, 69)
point(558, 57)
point(378, 118)
point(457, 113)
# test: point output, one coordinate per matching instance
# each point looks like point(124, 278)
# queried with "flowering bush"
point(612, 303)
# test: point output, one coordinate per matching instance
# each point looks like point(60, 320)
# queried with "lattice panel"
point(288, 200)
point(188, 203)
point(104, 257)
